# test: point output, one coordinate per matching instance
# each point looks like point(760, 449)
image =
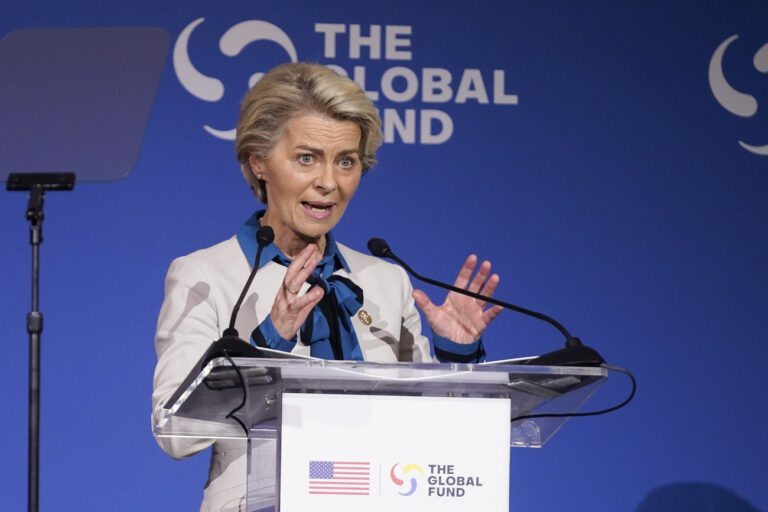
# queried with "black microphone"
point(380, 249)
point(230, 344)
point(264, 236)
point(574, 354)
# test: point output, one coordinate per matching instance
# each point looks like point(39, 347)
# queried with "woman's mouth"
point(317, 209)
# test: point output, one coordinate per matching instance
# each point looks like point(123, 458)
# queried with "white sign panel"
point(383, 453)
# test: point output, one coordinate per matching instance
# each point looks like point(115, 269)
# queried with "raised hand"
point(460, 318)
point(290, 311)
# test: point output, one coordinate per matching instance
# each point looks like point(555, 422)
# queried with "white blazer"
point(200, 292)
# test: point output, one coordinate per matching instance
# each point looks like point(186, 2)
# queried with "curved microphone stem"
point(540, 316)
point(381, 249)
point(264, 237)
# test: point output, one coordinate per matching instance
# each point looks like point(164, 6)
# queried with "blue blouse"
point(331, 319)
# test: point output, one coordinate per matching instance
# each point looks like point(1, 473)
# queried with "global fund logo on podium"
point(412, 475)
point(439, 480)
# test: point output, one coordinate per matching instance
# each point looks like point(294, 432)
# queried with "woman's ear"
point(257, 166)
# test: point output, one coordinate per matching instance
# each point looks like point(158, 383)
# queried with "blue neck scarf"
point(328, 329)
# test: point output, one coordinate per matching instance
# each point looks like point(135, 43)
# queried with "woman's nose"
point(326, 179)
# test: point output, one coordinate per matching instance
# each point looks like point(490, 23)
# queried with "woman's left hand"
point(461, 318)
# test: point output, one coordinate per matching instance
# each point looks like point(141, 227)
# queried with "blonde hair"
point(293, 89)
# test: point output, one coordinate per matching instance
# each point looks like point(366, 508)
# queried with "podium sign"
point(381, 453)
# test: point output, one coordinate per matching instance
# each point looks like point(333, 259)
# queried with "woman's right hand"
point(290, 311)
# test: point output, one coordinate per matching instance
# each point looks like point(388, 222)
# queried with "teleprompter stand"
point(37, 185)
point(88, 93)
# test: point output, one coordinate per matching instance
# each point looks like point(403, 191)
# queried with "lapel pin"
point(364, 317)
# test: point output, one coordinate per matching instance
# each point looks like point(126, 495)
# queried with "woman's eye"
point(305, 159)
point(346, 163)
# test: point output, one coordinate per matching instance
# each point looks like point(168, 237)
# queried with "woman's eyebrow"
point(305, 147)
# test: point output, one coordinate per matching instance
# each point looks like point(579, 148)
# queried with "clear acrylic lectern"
point(253, 388)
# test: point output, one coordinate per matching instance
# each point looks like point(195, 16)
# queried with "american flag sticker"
point(333, 477)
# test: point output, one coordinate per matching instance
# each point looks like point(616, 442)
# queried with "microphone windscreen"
point(265, 236)
point(379, 248)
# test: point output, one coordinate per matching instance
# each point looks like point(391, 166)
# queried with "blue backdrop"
point(578, 145)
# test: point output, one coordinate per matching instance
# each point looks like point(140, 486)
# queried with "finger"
point(423, 302)
point(490, 285)
point(301, 259)
point(292, 305)
point(300, 269)
point(289, 316)
point(466, 272)
point(287, 298)
point(481, 277)
point(304, 273)
point(491, 313)
point(306, 252)
point(304, 305)
point(308, 300)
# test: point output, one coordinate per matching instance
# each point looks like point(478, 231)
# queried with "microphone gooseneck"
point(264, 236)
point(380, 248)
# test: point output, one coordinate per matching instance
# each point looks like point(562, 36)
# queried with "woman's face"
point(310, 177)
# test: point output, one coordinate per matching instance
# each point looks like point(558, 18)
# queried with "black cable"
point(245, 394)
point(264, 236)
point(590, 413)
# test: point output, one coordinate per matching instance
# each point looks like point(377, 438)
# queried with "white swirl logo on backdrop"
point(399, 84)
point(231, 44)
point(734, 101)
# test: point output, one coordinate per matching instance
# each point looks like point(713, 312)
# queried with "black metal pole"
point(36, 184)
point(34, 328)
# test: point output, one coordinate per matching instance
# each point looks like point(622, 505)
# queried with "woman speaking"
point(305, 138)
